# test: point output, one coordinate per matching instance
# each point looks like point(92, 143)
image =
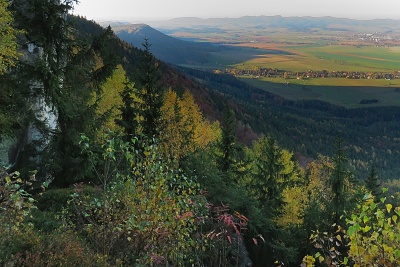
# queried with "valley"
point(300, 84)
point(315, 72)
point(232, 142)
point(311, 61)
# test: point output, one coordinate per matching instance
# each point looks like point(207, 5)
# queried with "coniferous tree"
point(68, 68)
point(129, 111)
point(339, 180)
point(268, 179)
point(372, 183)
point(228, 146)
point(150, 94)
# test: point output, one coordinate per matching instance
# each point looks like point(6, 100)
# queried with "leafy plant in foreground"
point(372, 235)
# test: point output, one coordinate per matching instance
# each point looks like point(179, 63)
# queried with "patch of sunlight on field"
point(395, 49)
point(264, 59)
point(353, 58)
point(328, 57)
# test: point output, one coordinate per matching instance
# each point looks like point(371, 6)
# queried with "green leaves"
point(389, 207)
point(8, 40)
point(147, 203)
point(16, 203)
point(374, 234)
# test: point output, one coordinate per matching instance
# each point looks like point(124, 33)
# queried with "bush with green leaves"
point(372, 237)
point(144, 212)
point(16, 205)
point(374, 234)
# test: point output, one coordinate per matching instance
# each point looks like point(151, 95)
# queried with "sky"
point(147, 10)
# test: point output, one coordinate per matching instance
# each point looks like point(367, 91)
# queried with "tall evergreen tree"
point(372, 182)
point(339, 180)
point(228, 146)
point(69, 66)
point(129, 111)
point(268, 179)
point(150, 94)
point(10, 104)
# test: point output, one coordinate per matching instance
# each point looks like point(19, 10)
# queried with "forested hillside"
point(117, 159)
point(310, 127)
point(166, 48)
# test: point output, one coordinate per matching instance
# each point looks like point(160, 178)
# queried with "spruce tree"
point(68, 68)
point(339, 180)
point(129, 111)
point(228, 146)
point(372, 183)
point(150, 94)
point(267, 179)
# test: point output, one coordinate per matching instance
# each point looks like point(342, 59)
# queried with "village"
point(257, 72)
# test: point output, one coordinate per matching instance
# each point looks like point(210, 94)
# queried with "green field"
point(365, 59)
point(310, 57)
point(314, 57)
point(323, 50)
point(347, 96)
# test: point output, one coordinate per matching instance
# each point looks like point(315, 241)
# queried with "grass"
point(378, 59)
point(343, 94)
point(295, 52)
point(314, 57)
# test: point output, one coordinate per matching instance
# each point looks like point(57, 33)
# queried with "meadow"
point(338, 91)
point(295, 55)
point(295, 58)
point(316, 50)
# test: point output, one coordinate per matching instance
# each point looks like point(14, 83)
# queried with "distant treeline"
point(279, 73)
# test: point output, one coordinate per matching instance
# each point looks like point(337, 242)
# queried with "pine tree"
point(10, 109)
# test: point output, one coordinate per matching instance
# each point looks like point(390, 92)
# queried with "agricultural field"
point(370, 61)
point(333, 90)
point(300, 58)
point(310, 57)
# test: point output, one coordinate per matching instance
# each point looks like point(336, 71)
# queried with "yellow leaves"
point(184, 127)
point(389, 207)
point(394, 218)
point(308, 261)
point(339, 237)
point(8, 47)
point(374, 241)
point(356, 250)
point(109, 100)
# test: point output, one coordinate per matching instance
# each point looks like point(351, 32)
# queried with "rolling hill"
point(293, 23)
point(164, 47)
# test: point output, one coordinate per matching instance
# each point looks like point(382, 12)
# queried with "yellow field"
point(329, 57)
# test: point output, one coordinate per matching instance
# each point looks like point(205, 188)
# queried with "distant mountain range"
point(164, 47)
point(178, 51)
point(295, 23)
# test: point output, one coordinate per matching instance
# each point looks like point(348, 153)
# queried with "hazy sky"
point(145, 10)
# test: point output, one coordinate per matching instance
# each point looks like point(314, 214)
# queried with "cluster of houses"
point(276, 73)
